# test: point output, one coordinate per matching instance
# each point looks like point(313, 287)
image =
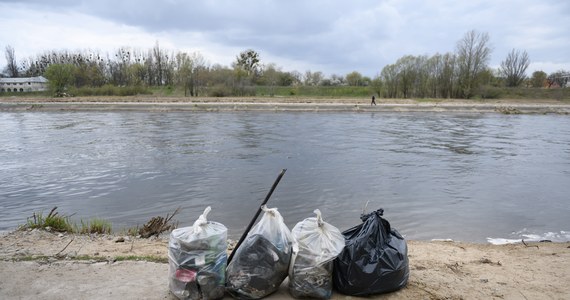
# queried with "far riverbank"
point(149, 103)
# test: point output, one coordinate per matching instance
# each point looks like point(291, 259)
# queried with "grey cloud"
point(340, 35)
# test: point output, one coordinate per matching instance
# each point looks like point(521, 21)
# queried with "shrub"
point(489, 92)
point(219, 90)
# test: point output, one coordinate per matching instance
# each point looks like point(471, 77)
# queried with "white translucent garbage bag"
point(316, 244)
point(260, 264)
point(197, 260)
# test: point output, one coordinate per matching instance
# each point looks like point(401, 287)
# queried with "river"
point(471, 177)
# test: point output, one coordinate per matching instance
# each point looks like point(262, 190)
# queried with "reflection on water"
point(459, 176)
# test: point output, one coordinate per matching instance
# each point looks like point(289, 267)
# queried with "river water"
point(470, 177)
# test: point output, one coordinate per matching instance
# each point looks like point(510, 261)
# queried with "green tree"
point(249, 62)
point(538, 79)
point(184, 68)
point(376, 85)
point(354, 79)
point(270, 77)
point(286, 79)
point(513, 68)
point(136, 74)
point(60, 77)
point(407, 75)
point(390, 78)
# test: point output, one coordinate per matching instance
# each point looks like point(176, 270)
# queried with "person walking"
point(373, 100)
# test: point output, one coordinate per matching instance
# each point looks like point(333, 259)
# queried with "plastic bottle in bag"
point(261, 262)
point(374, 260)
point(315, 245)
point(197, 260)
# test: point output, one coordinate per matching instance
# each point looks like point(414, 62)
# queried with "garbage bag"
point(261, 262)
point(197, 260)
point(374, 260)
point(315, 245)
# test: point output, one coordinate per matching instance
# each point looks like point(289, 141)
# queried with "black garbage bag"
point(374, 259)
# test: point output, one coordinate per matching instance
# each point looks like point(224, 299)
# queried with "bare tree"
point(12, 69)
point(473, 54)
point(313, 78)
point(560, 78)
point(513, 68)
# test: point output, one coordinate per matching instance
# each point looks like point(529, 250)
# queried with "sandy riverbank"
point(43, 265)
point(149, 103)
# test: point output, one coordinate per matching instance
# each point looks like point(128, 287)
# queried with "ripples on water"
point(459, 176)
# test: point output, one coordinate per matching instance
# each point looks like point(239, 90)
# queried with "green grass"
point(150, 258)
point(25, 94)
point(95, 225)
point(30, 258)
point(561, 94)
point(60, 223)
point(131, 231)
point(268, 91)
point(484, 92)
point(111, 90)
point(53, 220)
point(315, 91)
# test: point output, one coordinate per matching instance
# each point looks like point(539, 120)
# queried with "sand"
point(35, 264)
point(275, 104)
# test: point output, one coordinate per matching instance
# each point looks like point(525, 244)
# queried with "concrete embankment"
point(276, 107)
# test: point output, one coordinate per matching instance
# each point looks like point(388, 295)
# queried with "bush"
point(219, 90)
point(489, 92)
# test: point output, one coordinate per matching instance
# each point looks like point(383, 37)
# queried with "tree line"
point(463, 73)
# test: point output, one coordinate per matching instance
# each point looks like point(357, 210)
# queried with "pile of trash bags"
point(370, 258)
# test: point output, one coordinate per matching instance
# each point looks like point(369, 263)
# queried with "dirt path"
point(163, 104)
point(43, 265)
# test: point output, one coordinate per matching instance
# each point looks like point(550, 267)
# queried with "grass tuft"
point(95, 225)
point(53, 221)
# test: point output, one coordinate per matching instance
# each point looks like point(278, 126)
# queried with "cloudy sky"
point(332, 36)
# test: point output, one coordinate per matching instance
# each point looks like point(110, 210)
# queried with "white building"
point(23, 84)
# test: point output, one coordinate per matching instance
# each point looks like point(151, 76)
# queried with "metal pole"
point(256, 214)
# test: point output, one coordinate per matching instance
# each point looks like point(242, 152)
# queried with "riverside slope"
point(149, 103)
point(35, 264)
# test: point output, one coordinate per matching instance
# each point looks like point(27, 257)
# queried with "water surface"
point(437, 175)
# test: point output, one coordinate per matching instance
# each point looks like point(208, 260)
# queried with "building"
point(23, 84)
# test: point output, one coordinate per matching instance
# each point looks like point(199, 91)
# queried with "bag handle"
point(383, 222)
